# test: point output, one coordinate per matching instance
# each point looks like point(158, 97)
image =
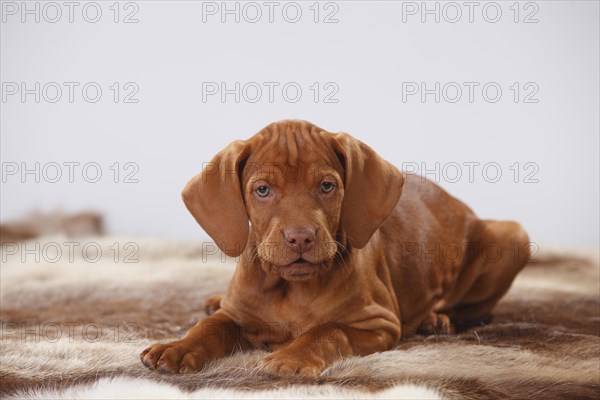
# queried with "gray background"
point(367, 54)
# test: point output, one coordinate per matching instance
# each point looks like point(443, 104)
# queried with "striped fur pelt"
point(74, 323)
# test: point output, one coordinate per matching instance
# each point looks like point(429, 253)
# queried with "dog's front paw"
point(436, 324)
point(212, 304)
point(174, 357)
point(290, 363)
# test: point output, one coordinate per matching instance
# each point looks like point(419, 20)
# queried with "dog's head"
point(307, 193)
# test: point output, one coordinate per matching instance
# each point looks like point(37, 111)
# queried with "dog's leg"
point(312, 351)
point(210, 338)
point(503, 252)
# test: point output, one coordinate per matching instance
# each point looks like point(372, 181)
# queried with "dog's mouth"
point(300, 268)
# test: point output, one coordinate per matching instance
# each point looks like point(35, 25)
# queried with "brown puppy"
point(344, 256)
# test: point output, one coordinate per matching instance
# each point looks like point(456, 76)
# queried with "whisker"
point(254, 256)
point(341, 253)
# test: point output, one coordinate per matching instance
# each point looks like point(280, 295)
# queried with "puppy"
point(341, 253)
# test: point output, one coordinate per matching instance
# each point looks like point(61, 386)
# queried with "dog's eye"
point(263, 191)
point(327, 187)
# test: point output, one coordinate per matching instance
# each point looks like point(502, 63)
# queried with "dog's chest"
point(272, 320)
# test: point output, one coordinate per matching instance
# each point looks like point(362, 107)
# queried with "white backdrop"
point(515, 83)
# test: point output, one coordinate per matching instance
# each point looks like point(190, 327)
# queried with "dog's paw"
point(175, 357)
point(212, 304)
point(436, 324)
point(290, 364)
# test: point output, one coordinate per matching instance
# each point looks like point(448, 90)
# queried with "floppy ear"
point(214, 198)
point(372, 188)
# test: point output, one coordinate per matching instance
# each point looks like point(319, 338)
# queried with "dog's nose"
point(300, 238)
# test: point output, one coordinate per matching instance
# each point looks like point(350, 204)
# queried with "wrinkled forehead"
point(293, 153)
point(277, 173)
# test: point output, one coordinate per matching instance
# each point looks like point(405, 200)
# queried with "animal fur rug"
point(73, 325)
